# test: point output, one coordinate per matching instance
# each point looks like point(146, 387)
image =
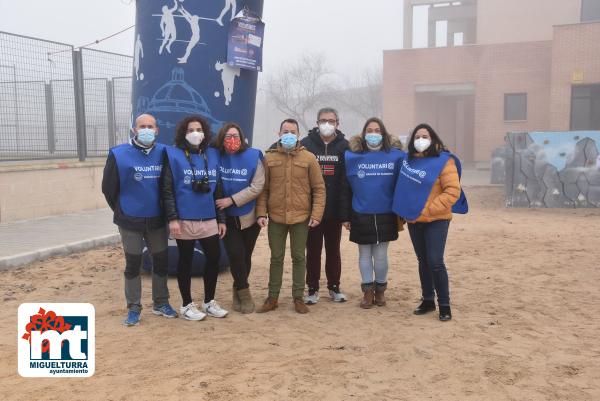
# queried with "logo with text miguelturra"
point(56, 340)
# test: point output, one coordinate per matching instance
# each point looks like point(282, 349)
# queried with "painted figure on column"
point(228, 75)
point(194, 22)
point(138, 54)
point(168, 28)
point(229, 5)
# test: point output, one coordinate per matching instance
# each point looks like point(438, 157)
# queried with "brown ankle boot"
point(380, 294)
point(269, 305)
point(246, 302)
point(368, 296)
point(236, 300)
point(299, 306)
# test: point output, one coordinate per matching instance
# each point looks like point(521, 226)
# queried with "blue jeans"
point(373, 260)
point(429, 242)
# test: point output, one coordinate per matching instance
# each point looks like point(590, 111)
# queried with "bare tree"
point(300, 88)
point(364, 95)
point(296, 88)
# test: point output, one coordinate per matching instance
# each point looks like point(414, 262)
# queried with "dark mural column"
point(180, 64)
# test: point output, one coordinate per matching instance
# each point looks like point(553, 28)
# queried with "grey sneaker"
point(191, 312)
point(312, 298)
point(213, 309)
point(336, 295)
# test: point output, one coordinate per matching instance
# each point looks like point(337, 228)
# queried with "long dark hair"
point(436, 147)
point(386, 138)
point(181, 132)
point(221, 137)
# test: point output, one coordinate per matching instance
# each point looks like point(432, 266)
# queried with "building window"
point(441, 33)
point(590, 10)
point(585, 107)
point(515, 107)
point(458, 38)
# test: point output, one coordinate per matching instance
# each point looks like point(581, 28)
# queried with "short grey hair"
point(328, 110)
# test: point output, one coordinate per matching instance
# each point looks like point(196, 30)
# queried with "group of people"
point(204, 189)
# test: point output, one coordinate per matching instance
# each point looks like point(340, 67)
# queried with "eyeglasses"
point(229, 136)
point(332, 122)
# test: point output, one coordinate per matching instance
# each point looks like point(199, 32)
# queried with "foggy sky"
point(351, 33)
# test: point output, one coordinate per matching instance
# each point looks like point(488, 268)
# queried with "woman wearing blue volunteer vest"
point(372, 166)
point(427, 192)
point(189, 191)
point(242, 179)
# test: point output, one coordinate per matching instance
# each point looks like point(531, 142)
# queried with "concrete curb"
point(65, 249)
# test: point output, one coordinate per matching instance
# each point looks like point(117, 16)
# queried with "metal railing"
point(60, 102)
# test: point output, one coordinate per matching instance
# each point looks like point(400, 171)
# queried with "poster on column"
point(245, 42)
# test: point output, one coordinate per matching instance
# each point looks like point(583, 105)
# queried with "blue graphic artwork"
point(180, 64)
point(559, 147)
point(176, 99)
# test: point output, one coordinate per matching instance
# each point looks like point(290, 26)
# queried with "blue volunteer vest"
point(372, 176)
point(416, 178)
point(193, 205)
point(138, 179)
point(237, 172)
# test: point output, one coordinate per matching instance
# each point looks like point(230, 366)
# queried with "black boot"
point(425, 307)
point(445, 313)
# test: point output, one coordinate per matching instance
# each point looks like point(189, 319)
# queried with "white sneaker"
point(191, 312)
point(337, 296)
point(312, 299)
point(213, 309)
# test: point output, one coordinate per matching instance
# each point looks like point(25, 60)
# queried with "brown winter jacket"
point(444, 193)
point(294, 189)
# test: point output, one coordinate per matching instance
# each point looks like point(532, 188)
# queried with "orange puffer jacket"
point(444, 193)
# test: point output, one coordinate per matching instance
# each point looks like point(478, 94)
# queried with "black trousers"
point(212, 251)
point(240, 245)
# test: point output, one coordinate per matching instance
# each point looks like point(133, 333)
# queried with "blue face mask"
point(289, 140)
point(373, 140)
point(146, 136)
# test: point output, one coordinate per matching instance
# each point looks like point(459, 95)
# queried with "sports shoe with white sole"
point(164, 310)
point(312, 298)
point(213, 309)
point(133, 318)
point(191, 312)
point(336, 295)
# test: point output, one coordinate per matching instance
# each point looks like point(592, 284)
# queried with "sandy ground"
point(524, 287)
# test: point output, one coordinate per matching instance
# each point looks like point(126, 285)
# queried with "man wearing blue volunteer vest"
point(131, 187)
point(242, 179)
point(427, 192)
point(293, 199)
point(328, 144)
point(372, 165)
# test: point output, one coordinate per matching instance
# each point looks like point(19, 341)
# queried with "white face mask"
point(422, 144)
point(195, 138)
point(326, 129)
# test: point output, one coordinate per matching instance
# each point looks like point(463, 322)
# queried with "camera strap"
point(193, 166)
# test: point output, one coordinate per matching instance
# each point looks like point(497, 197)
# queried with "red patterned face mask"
point(232, 144)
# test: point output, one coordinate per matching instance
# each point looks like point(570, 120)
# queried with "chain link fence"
point(60, 102)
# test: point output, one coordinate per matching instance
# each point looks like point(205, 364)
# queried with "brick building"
point(477, 69)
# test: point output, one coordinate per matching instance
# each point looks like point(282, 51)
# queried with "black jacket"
point(167, 189)
point(111, 187)
point(373, 228)
point(331, 159)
